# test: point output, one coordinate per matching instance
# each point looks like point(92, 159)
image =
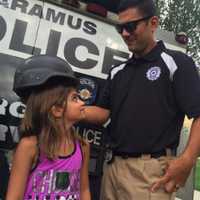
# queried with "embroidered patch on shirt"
point(153, 73)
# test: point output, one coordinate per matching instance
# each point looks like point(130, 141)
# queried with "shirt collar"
point(153, 55)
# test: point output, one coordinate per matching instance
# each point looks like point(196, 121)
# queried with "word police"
point(63, 33)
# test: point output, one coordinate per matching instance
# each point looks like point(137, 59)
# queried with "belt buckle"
point(109, 156)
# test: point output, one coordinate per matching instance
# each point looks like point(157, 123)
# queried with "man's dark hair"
point(146, 7)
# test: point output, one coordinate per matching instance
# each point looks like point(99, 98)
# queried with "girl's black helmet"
point(37, 70)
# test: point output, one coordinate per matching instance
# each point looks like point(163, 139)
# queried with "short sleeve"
point(104, 98)
point(186, 84)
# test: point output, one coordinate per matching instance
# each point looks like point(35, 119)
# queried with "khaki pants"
point(131, 179)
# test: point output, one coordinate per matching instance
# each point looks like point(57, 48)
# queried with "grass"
point(197, 175)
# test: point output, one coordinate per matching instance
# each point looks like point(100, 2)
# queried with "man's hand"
point(178, 170)
point(176, 174)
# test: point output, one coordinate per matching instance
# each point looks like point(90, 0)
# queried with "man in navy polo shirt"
point(147, 99)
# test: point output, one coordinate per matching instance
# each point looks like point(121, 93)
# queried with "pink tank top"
point(56, 180)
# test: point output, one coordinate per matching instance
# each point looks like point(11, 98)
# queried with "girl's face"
point(74, 110)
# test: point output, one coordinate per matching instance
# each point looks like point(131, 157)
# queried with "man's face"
point(140, 40)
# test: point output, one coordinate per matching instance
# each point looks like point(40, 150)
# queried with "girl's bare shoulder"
point(28, 144)
point(30, 141)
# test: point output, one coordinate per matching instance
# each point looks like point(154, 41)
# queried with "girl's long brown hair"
point(38, 120)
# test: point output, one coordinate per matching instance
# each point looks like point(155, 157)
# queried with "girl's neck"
point(67, 142)
point(65, 132)
point(66, 147)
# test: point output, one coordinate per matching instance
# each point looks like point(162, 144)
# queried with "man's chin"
point(135, 51)
point(132, 48)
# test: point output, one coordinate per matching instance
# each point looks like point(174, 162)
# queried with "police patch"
point(87, 90)
point(153, 73)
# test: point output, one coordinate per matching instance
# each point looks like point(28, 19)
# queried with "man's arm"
point(192, 150)
point(179, 169)
point(185, 85)
point(96, 115)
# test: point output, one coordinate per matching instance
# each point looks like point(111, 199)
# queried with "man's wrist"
point(189, 158)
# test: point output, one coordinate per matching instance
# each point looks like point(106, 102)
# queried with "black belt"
point(157, 154)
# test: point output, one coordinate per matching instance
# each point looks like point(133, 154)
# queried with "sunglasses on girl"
point(130, 26)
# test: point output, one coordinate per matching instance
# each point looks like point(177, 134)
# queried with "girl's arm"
point(85, 191)
point(22, 162)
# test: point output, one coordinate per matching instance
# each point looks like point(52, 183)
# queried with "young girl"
point(51, 161)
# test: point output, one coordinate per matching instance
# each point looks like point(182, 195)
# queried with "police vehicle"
point(88, 42)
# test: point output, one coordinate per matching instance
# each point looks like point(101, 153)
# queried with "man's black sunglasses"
point(130, 26)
